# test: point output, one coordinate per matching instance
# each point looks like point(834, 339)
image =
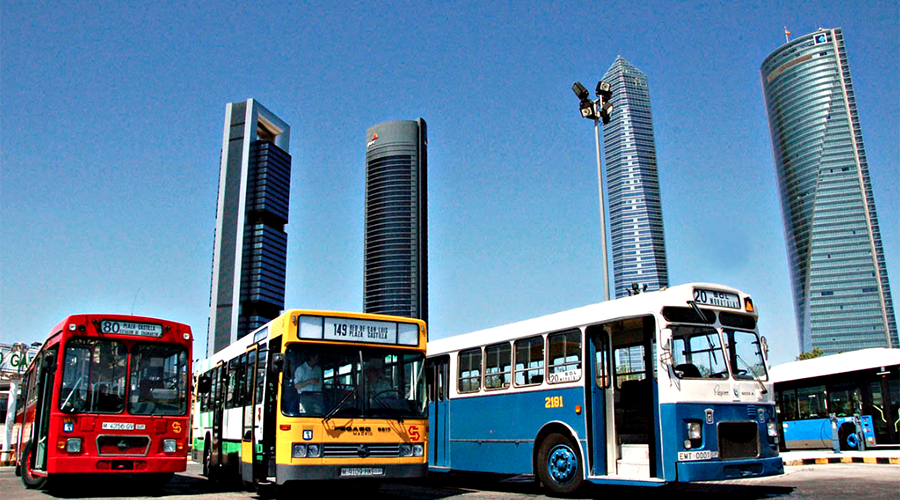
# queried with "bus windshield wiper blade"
point(762, 386)
point(338, 406)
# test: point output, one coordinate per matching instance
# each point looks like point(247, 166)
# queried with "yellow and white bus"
point(315, 395)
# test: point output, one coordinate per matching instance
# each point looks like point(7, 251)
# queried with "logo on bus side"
point(176, 427)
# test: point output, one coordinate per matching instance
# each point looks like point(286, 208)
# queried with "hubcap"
point(562, 464)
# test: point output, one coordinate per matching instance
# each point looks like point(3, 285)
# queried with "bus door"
point(635, 411)
point(248, 422)
point(268, 387)
point(438, 372)
point(41, 427)
point(602, 451)
point(885, 402)
point(218, 408)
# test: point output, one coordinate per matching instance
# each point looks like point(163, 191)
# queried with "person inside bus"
point(380, 392)
point(308, 382)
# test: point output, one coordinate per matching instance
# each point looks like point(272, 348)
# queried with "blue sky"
point(112, 120)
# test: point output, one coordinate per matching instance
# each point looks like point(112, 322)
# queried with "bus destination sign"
point(131, 328)
point(359, 330)
point(714, 298)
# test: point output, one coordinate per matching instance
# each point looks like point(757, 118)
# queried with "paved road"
point(835, 481)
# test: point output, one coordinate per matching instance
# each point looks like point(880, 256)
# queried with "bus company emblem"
point(176, 427)
point(362, 450)
point(414, 432)
point(68, 426)
point(709, 416)
point(307, 435)
point(719, 392)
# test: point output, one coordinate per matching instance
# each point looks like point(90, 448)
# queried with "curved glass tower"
point(635, 209)
point(395, 276)
point(841, 295)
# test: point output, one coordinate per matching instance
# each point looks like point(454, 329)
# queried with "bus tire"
point(207, 458)
point(559, 465)
point(28, 478)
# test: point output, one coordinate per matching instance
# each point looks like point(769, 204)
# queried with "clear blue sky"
point(112, 120)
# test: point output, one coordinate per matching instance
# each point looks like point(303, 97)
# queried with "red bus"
point(107, 394)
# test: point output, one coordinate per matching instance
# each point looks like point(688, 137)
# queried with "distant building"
point(635, 209)
point(395, 277)
point(841, 295)
point(250, 254)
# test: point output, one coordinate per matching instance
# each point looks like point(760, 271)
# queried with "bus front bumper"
point(716, 470)
point(288, 473)
point(115, 464)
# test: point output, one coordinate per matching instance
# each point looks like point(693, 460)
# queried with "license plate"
point(714, 298)
point(361, 471)
point(688, 456)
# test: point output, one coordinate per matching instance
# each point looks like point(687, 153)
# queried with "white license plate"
point(361, 471)
point(118, 426)
point(689, 456)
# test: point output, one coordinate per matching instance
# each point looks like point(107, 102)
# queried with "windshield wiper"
point(338, 406)
point(750, 369)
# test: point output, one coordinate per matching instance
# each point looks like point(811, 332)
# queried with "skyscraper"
point(250, 253)
point(395, 277)
point(635, 209)
point(841, 295)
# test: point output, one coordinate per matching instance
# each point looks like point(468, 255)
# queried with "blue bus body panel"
point(498, 432)
point(816, 432)
point(675, 417)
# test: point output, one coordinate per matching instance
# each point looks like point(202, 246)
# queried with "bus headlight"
point(303, 450)
point(406, 450)
point(695, 431)
point(772, 428)
point(73, 445)
point(169, 445)
point(418, 450)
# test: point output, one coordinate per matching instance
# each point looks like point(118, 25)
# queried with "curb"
point(844, 460)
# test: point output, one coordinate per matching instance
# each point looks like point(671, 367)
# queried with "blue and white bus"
point(863, 384)
point(654, 388)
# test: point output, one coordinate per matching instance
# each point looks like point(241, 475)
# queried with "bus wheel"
point(559, 465)
point(28, 477)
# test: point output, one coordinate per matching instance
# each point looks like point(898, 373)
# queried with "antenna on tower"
point(787, 34)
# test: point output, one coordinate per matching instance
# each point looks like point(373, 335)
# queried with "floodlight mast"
point(598, 110)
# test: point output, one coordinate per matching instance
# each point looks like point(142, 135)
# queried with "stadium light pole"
point(597, 110)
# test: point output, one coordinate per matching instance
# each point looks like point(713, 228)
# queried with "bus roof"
point(594, 313)
point(862, 359)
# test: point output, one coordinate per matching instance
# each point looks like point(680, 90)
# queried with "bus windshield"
point(159, 380)
point(698, 353)
point(93, 379)
point(346, 381)
point(746, 355)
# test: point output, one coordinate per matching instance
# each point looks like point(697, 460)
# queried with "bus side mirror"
point(765, 346)
point(204, 384)
point(48, 362)
point(277, 365)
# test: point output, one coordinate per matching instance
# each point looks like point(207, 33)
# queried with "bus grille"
point(361, 450)
point(135, 446)
point(738, 440)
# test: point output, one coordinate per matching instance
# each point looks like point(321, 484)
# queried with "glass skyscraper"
point(840, 285)
point(395, 276)
point(635, 209)
point(250, 255)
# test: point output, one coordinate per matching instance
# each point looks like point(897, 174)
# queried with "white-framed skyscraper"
point(842, 299)
point(635, 208)
point(250, 254)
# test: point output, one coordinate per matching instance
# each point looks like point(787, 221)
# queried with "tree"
point(816, 352)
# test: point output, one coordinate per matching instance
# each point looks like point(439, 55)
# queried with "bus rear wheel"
point(559, 466)
point(30, 480)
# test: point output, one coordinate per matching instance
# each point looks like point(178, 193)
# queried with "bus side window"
point(529, 362)
point(470, 370)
